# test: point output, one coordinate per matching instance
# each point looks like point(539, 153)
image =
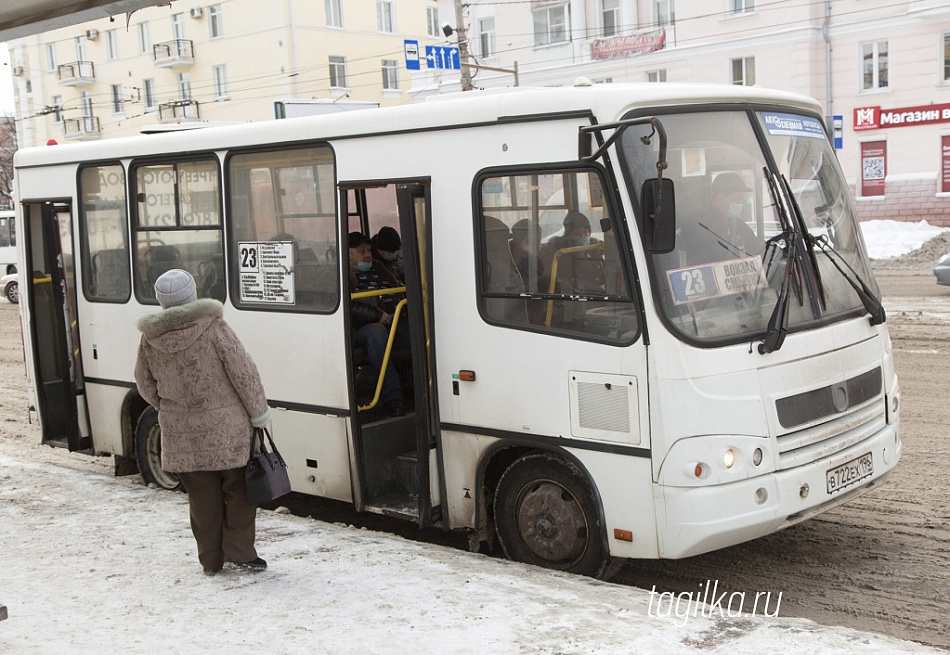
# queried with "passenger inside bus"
point(580, 258)
point(371, 318)
point(387, 248)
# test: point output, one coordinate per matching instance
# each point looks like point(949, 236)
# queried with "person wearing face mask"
point(371, 318)
point(387, 249)
point(578, 271)
point(728, 234)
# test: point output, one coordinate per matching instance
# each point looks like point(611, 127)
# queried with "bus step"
point(407, 472)
point(397, 505)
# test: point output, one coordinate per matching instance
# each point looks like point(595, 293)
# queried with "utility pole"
point(462, 32)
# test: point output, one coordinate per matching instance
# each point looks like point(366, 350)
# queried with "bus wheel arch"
point(545, 511)
point(148, 452)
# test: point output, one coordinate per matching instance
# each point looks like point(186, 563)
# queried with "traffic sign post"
point(443, 57)
point(411, 49)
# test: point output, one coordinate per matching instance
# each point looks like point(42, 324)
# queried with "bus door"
point(395, 455)
point(54, 325)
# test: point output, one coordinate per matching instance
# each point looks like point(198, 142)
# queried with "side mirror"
point(658, 209)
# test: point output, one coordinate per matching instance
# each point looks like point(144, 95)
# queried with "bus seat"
point(110, 273)
point(161, 260)
point(501, 274)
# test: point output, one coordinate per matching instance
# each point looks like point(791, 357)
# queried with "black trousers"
point(222, 521)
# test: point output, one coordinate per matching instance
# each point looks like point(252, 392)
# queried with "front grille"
point(810, 444)
point(838, 398)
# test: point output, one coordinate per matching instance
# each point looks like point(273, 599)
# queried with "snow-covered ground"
point(90, 563)
point(893, 238)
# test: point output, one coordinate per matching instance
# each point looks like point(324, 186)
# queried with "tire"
point(546, 514)
point(12, 292)
point(148, 452)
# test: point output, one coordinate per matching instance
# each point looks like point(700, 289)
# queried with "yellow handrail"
point(554, 263)
point(389, 342)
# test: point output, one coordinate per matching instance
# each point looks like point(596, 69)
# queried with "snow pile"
point(887, 239)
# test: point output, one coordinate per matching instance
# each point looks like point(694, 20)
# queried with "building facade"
point(883, 66)
point(230, 61)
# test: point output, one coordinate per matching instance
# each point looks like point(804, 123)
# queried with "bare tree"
point(8, 145)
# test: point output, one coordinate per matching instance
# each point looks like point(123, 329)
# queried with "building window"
point(145, 42)
point(57, 109)
point(874, 65)
point(385, 21)
point(81, 48)
point(743, 6)
point(334, 13)
point(184, 86)
point(550, 25)
point(85, 100)
point(148, 90)
point(664, 13)
point(657, 75)
point(215, 22)
point(112, 45)
point(743, 71)
point(118, 105)
point(337, 72)
point(390, 74)
point(610, 17)
point(220, 82)
point(178, 26)
point(432, 22)
point(51, 56)
point(946, 57)
point(486, 36)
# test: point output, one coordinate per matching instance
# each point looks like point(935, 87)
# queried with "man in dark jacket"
point(372, 317)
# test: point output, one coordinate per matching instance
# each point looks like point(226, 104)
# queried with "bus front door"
point(396, 454)
point(57, 365)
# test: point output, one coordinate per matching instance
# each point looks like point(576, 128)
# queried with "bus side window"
point(500, 272)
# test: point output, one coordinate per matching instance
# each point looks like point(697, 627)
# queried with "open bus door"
point(395, 455)
point(54, 325)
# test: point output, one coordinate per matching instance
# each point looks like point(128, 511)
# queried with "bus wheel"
point(546, 514)
point(148, 452)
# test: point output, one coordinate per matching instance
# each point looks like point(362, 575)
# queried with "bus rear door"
point(57, 373)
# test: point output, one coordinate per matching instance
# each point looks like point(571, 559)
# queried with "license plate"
point(849, 473)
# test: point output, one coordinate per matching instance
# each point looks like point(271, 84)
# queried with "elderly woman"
point(194, 370)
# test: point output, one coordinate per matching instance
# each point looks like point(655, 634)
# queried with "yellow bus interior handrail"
point(389, 342)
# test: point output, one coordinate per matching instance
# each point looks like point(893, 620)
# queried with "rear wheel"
point(12, 292)
point(148, 452)
point(546, 514)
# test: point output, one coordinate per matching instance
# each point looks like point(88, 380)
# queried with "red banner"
point(618, 47)
point(945, 167)
point(873, 168)
point(875, 118)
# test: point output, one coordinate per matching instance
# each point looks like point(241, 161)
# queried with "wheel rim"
point(551, 523)
point(153, 444)
point(13, 293)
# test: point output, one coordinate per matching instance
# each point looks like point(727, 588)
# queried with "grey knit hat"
point(176, 287)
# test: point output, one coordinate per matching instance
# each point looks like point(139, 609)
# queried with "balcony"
point(173, 54)
point(82, 128)
point(178, 111)
point(77, 73)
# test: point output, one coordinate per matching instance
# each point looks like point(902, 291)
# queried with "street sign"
point(837, 131)
point(443, 57)
point(412, 54)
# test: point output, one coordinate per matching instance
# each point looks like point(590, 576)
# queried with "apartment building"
point(231, 61)
point(882, 66)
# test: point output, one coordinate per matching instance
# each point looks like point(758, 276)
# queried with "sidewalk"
point(95, 564)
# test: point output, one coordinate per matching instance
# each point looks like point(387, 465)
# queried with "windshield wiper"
point(778, 322)
point(873, 305)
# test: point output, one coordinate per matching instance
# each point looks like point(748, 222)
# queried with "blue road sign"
point(442, 57)
point(412, 54)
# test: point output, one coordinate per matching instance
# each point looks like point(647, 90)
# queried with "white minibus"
point(641, 318)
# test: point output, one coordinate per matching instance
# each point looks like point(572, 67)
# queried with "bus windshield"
point(754, 229)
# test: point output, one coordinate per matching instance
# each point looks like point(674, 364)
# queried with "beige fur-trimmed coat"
point(194, 370)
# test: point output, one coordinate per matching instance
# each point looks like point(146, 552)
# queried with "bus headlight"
point(729, 458)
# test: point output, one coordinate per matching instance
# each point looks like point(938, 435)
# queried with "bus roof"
point(607, 102)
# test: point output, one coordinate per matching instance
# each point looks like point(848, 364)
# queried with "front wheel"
point(148, 452)
point(546, 514)
point(13, 292)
